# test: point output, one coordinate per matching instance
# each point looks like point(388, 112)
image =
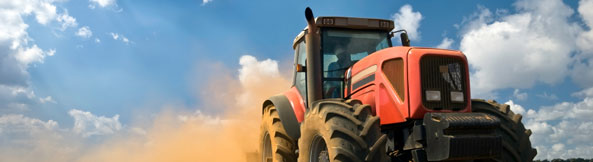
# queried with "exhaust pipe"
point(312, 39)
point(310, 20)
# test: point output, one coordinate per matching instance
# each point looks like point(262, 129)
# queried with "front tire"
point(275, 144)
point(515, 138)
point(341, 131)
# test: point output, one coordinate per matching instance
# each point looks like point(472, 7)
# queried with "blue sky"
point(115, 59)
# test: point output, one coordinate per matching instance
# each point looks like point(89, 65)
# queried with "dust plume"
point(198, 136)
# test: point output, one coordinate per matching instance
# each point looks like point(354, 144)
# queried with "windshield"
point(341, 49)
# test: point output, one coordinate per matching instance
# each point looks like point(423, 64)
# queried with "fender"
point(287, 116)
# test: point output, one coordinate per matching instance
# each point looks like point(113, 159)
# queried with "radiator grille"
point(434, 71)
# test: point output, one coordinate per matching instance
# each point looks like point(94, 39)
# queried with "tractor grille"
point(444, 74)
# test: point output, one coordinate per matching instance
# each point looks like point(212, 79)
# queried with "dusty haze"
point(174, 134)
point(203, 137)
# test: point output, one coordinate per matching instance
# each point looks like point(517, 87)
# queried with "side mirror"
point(300, 68)
point(403, 36)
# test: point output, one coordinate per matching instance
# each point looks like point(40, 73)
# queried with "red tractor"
point(357, 98)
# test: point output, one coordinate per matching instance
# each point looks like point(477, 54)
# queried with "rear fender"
point(286, 114)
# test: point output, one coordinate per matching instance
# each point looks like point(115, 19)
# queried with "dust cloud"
point(223, 128)
point(199, 136)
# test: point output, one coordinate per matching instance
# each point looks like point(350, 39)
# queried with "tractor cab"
point(343, 42)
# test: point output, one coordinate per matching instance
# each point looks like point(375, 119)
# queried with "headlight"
point(457, 96)
point(433, 95)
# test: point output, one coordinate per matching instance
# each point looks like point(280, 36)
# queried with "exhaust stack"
point(312, 39)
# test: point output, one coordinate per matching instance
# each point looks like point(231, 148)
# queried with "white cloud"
point(407, 19)
point(84, 32)
point(47, 99)
point(199, 117)
point(582, 73)
point(121, 37)
point(88, 124)
point(114, 35)
point(520, 95)
point(44, 11)
point(562, 130)
point(30, 139)
point(25, 138)
point(18, 51)
point(518, 50)
point(547, 96)
point(250, 66)
point(446, 43)
point(51, 52)
point(67, 21)
point(97, 40)
point(515, 107)
point(101, 3)
point(15, 98)
point(204, 2)
point(19, 122)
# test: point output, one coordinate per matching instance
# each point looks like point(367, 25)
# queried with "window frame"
point(321, 54)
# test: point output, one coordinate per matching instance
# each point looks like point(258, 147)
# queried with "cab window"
point(342, 48)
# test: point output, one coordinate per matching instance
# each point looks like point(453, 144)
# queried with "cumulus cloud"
point(562, 130)
point(13, 122)
point(520, 95)
point(84, 32)
point(27, 139)
point(88, 124)
point(101, 3)
point(582, 73)
point(18, 51)
point(204, 2)
point(515, 107)
point(446, 43)
point(407, 19)
point(30, 139)
point(47, 99)
point(547, 96)
point(120, 37)
point(66, 21)
point(114, 35)
point(519, 50)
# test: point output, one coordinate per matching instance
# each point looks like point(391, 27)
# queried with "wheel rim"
point(319, 150)
point(267, 150)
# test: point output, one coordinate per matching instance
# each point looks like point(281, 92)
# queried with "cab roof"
point(348, 23)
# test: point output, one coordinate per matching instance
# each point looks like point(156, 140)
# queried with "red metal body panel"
point(417, 110)
point(379, 93)
point(297, 103)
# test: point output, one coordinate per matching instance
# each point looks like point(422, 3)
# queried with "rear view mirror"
point(403, 36)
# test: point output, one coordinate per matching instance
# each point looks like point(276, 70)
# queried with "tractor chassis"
point(445, 136)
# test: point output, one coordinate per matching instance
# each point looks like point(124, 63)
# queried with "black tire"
point(275, 144)
point(346, 130)
point(515, 138)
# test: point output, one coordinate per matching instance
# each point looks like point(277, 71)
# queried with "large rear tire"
point(341, 131)
point(515, 138)
point(275, 144)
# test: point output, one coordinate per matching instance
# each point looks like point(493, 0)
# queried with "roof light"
point(328, 21)
point(384, 24)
